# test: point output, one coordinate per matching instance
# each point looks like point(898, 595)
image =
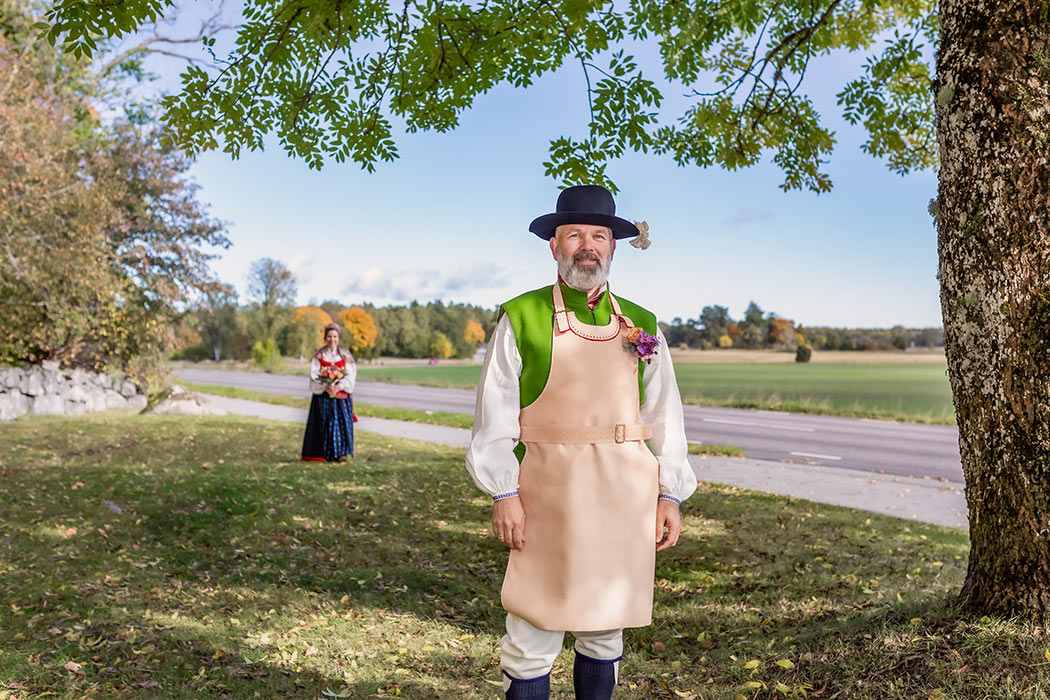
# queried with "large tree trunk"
point(993, 226)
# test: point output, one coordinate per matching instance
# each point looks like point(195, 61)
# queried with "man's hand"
point(508, 522)
point(667, 516)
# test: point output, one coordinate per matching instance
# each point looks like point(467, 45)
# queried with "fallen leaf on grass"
point(785, 664)
point(659, 646)
point(73, 667)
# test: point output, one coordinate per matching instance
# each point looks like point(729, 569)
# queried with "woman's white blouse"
point(490, 457)
point(345, 384)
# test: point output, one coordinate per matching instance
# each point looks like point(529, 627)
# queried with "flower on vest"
point(641, 344)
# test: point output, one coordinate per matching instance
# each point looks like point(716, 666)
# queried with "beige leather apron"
point(589, 486)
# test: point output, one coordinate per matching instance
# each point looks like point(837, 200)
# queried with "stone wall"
point(46, 389)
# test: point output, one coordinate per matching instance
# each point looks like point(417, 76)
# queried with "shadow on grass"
point(232, 570)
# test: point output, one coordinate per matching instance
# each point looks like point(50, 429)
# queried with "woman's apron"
point(589, 487)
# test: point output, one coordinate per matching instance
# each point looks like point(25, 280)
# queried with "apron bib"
point(589, 486)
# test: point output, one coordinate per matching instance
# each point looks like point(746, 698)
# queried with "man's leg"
point(528, 654)
point(597, 664)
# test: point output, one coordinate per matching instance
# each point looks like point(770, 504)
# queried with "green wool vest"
point(531, 316)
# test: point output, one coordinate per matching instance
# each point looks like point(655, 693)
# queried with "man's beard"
point(583, 278)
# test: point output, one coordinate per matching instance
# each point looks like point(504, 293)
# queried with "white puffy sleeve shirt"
point(345, 384)
point(490, 457)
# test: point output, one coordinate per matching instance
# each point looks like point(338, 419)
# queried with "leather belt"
point(618, 433)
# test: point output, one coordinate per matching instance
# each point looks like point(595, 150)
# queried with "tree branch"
point(208, 28)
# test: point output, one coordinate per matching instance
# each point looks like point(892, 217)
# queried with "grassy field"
point(722, 356)
point(916, 392)
point(454, 420)
point(177, 557)
point(451, 377)
point(897, 391)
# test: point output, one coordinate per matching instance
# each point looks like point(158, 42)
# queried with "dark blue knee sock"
point(529, 689)
point(593, 679)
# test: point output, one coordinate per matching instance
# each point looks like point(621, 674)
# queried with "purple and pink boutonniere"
point(641, 344)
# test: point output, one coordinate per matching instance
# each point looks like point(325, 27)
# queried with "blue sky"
point(449, 219)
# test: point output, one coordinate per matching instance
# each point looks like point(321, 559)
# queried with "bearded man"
point(575, 381)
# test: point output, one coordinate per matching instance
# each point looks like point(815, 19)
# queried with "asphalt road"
point(885, 447)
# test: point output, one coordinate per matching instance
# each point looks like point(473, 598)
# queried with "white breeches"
point(529, 652)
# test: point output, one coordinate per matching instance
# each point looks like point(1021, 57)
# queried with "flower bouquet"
point(330, 376)
point(641, 344)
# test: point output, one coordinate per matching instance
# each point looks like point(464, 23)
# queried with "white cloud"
point(744, 216)
point(302, 266)
point(381, 285)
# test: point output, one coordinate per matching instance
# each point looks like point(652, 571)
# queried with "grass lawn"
point(897, 391)
point(716, 450)
point(454, 420)
point(178, 557)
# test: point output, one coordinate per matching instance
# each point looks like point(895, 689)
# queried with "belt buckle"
point(620, 434)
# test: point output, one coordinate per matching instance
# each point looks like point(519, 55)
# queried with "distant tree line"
point(269, 326)
point(715, 328)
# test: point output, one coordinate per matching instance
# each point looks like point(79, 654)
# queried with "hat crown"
point(586, 198)
point(590, 205)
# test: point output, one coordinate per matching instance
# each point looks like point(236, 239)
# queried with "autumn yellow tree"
point(440, 345)
point(474, 333)
point(306, 330)
point(361, 330)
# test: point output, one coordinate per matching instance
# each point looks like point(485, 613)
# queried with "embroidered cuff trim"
point(618, 659)
point(545, 676)
point(509, 494)
point(669, 497)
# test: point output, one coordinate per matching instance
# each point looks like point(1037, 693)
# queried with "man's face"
point(583, 253)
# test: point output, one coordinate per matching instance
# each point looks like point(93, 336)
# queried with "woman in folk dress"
point(330, 426)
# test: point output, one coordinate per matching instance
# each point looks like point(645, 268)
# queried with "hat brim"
point(545, 226)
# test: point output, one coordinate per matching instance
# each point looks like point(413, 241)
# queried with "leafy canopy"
point(102, 239)
point(332, 79)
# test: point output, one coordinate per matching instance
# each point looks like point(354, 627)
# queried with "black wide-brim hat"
point(584, 204)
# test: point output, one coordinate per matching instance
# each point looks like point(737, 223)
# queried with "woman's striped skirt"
point(329, 429)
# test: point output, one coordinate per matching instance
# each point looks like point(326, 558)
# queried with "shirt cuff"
point(503, 496)
point(668, 497)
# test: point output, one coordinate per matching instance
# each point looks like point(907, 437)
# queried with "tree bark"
point(993, 236)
